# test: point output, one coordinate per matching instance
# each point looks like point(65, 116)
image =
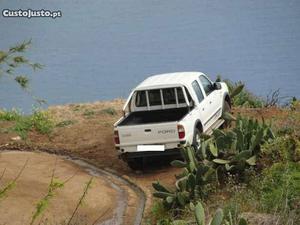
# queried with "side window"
point(207, 85)
point(140, 99)
point(198, 91)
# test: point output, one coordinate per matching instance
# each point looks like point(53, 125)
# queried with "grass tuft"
point(109, 111)
point(39, 121)
point(65, 123)
point(12, 115)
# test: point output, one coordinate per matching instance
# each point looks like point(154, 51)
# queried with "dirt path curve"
point(131, 200)
point(111, 200)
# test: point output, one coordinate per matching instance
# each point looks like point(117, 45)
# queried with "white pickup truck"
point(168, 111)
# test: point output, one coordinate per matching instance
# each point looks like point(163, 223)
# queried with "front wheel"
point(197, 139)
point(226, 109)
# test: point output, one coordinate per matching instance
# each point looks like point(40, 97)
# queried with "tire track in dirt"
point(120, 184)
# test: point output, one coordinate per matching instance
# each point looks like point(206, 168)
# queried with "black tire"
point(197, 139)
point(226, 109)
point(136, 163)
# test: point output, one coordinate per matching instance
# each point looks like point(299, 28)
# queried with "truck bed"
point(154, 116)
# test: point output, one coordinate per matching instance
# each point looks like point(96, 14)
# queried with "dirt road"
point(105, 203)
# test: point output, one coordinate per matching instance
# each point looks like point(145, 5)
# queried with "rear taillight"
point(116, 137)
point(181, 131)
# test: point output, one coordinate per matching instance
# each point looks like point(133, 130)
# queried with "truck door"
point(214, 100)
point(204, 109)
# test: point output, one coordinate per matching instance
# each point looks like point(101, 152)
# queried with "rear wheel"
point(197, 139)
point(136, 163)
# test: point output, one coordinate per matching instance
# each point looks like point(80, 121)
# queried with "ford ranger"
point(168, 111)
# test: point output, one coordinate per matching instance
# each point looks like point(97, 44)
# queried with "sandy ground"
point(89, 135)
point(18, 205)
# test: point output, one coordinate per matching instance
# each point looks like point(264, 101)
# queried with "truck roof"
point(168, 80)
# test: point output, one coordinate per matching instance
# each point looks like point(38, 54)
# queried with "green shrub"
point(235, 151)
point(109, 111)
point(283, 149)
point(22, 126)
point(12, 115)
point(88, 113)
point(280, 190)
point(39, 121)
point(243, 97)
point(190, 184)
point(160, 215)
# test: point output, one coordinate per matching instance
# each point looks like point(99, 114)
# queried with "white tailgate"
point(159, 133)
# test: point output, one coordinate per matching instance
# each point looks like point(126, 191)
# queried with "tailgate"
point(159, 133)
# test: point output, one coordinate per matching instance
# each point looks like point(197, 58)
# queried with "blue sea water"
point(99, 50)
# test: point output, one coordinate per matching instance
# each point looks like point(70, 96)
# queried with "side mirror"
point(217, 86)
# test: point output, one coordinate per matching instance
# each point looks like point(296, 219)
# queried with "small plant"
point(109, 111)
point(272, 99)
point(42, 205)
point(65, 123)
point(12, 115)
point(11, 184)
point(217, 219)
point(294, 104)
point(159, 214)
point(39, 121)
point(81, 200)
point(88, 113)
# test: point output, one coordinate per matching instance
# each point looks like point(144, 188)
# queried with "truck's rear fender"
point(188, 122)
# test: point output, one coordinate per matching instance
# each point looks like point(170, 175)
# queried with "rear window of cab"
point(166, 96)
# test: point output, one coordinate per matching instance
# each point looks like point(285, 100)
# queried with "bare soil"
point(19, 203)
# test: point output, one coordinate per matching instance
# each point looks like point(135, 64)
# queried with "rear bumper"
point(131, 155)
point(131, 151)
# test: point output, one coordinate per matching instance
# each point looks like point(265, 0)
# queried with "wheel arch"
point(227, 99)
point(198, 125)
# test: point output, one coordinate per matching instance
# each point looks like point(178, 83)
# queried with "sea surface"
point(99, 50)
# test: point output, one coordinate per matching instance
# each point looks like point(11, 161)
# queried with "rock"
point(17, 138)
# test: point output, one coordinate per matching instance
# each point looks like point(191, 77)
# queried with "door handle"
point(203, 109)
point(148, 130)
point(210, 102)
